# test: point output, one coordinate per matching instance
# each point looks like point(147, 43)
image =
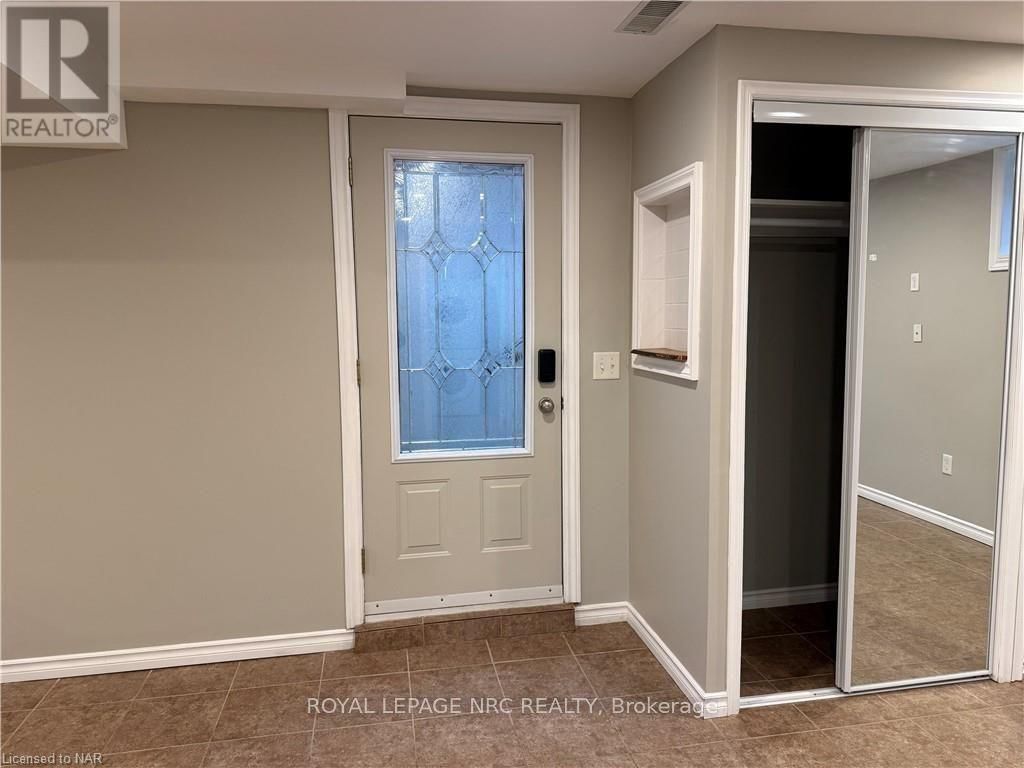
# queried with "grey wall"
point(670, 432)
point(943, 395)
point(795, 364)
point(171, 447)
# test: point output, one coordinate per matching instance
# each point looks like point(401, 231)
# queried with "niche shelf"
point(666, 274)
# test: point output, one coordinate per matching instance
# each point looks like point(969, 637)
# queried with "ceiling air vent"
point(648, 18)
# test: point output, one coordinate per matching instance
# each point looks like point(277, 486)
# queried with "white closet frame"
point(873, 107)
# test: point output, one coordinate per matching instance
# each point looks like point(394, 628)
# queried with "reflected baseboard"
point(929, 515)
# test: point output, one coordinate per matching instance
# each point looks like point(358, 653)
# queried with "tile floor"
point(790, 648)
point(254, 713)
point(921, 598)
point(921, 608)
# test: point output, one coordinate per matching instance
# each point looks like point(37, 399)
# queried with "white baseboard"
point(774, 598)
point(130, 659)
point(711, 704)
point(601, 613)
point(929, 515)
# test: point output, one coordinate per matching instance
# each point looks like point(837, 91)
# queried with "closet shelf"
point(662, 353)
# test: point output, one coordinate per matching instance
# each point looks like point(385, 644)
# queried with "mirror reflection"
point(939, 228)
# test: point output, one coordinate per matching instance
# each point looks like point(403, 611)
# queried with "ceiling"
point(376, 49)
point(895, 152)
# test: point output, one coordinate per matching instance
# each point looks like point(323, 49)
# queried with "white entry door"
point(457, 228)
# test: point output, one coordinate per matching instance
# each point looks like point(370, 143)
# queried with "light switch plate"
point(947, 464)
point(915, 281)
point(917, 333)
point(606, 365)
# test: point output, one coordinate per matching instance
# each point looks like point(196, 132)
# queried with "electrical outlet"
point(606, 365)
point(915, 282)
point(947, 464)
point(917, 333)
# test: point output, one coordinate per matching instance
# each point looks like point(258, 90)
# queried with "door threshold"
point(796, 697)
point(790, 697)
point(438, 605)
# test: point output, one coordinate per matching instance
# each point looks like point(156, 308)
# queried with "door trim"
point(397, 457)
point(568, 117)
point(1006, 650)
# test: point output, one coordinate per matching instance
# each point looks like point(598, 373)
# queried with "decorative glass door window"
point(459, 291)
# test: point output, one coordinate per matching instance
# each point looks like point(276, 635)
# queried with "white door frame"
point(1006, 652)
point(568, 117)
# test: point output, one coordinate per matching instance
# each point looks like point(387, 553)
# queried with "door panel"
point(934, 297)
point(457, 230)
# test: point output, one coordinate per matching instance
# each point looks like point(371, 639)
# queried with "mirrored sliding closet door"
point(935, 245)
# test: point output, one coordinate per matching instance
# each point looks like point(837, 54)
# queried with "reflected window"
point(1001, 237)
point(459, 245)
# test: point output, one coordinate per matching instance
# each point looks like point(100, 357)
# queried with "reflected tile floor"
point(921, 598)
point(254, 713)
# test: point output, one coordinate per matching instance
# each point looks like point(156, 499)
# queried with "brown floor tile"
point(621, 673)
point(467, 740)
point(554, 677)
point(538, 623)
point(852, 710)
point(763, 721)
point(257, 673)
point(201, 678)
point(760, 622)
point(287, 751)
point(23, 695)
point(94, 689)
point(757, 689)
point(454, 631)
point(786, 656)
point(748, 673)
point(389, 639)
point(569, 739)
point(168, 757)
point(600, 638)
point(809, 617)
point(786, 685)
point(789, 750)
point(468, 653)
point(66, 730)
point(991, 693)
point(9, 722)
point(365, 746)
point(379, 698)
point(986, 737)
point(351, 664)
point(168, 722)
point(823, 641)
point(898, 744)
point(659, 722)
point(720, 754)
point(529, 647)
point(460, 686)
point(250, 712)
point(935, 700)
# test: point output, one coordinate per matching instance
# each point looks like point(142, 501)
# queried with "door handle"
point(546, 405)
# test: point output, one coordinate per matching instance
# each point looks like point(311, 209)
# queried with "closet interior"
point(799, 259)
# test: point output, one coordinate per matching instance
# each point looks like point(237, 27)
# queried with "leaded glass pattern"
point(459, 245)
